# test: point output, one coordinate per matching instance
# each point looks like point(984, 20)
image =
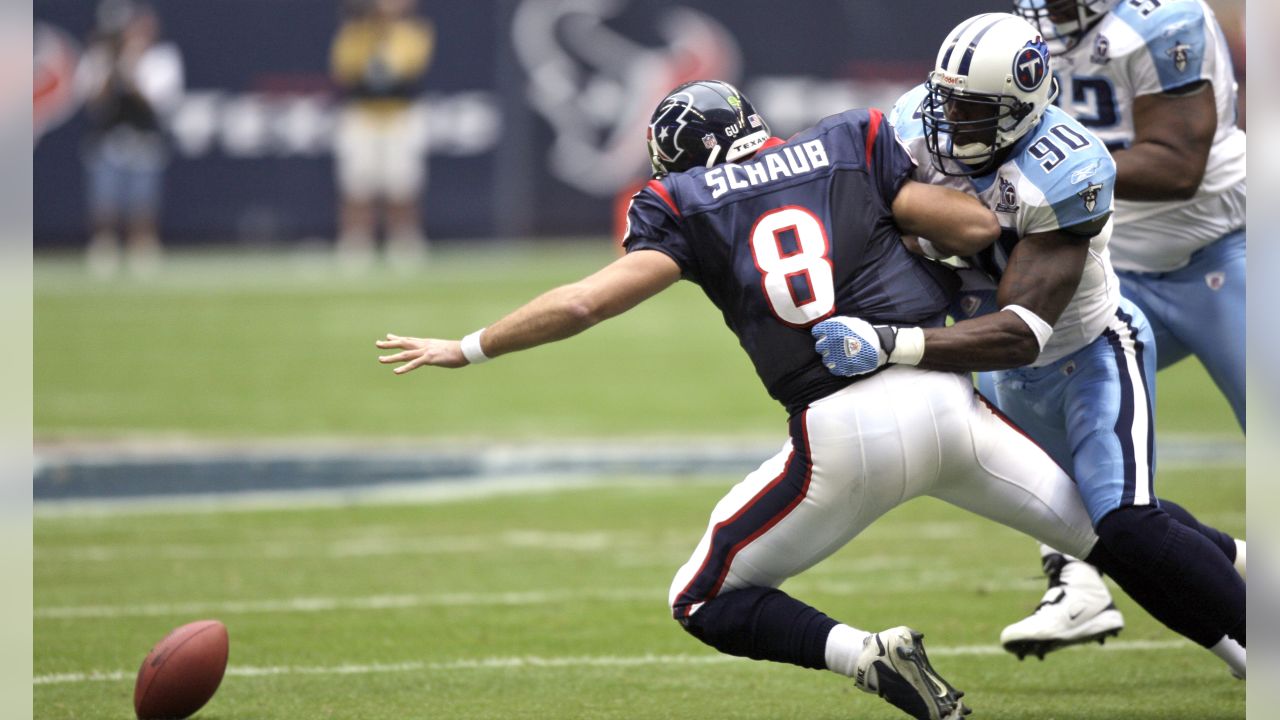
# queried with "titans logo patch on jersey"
point(1090, 196)
point(1101, 50)
point(1180, 54)
point(1008, 197)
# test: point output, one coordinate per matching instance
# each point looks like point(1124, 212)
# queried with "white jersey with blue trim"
point(1057, 176)
point(1144, 47)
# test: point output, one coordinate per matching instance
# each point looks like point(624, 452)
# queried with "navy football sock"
point(1174, 572)
point(1225, 542)
point(763, 624)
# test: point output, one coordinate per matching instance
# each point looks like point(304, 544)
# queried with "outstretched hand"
point(421, 351)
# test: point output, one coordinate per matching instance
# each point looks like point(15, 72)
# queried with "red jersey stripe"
point(662, 192)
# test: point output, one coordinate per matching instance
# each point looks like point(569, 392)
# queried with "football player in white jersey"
point(1076, 361)
point(1153, 80)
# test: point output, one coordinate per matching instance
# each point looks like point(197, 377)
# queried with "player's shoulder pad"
point(1070, 166)
point(1159, 21)
point(905, 115)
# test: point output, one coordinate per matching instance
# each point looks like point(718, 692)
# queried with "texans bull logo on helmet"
point(666, 141)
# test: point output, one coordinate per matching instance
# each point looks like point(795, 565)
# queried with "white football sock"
point(1240, 559)
point(844, 645)
point(1231, 653)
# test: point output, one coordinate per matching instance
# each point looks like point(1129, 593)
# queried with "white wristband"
point(908, 346)
point(1041, 329)
point(471, 348)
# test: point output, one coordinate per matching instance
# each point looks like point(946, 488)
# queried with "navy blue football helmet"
point(702, 123)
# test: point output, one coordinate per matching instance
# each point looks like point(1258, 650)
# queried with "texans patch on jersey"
point(970, 304)
point(1031, 65)
point(1215, 280)
point(1090, 196)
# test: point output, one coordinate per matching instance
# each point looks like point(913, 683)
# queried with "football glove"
point(852, 346)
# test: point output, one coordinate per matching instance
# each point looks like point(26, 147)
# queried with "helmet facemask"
point(1062, 22)
point(970, 128)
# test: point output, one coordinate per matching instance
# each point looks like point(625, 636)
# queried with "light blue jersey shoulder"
point(1175, 35)
point(905, 116)
point(1069, 166)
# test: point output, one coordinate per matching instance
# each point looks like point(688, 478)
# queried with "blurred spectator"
point(378, 59)
point(130, 82)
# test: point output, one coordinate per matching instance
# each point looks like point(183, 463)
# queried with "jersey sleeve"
point(1080, 194)
point(653, 223)
point(1176, 50)
point(905, 119)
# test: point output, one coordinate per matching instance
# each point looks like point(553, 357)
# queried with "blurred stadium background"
point(190, 414)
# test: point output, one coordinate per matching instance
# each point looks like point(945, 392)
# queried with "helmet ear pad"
point(701, 124)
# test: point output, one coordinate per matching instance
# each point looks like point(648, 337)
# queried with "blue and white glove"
point(852, 346)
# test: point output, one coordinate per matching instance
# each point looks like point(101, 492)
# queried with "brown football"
point(181, 672)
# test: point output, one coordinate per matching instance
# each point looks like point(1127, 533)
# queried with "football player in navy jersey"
point(780, 235)
point(1076, 361)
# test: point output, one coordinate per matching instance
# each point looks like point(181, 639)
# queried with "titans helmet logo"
point(1031, 65)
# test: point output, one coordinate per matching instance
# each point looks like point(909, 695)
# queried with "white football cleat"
point(894, 666)
point(1077, 608)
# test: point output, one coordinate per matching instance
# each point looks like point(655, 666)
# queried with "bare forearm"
point(555, 315)
point(954, 222)
point(1153, 171)
point(998, 341)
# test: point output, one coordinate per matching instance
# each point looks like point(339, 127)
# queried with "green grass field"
point(264, 347)
point(553, 606)
point(533, 605)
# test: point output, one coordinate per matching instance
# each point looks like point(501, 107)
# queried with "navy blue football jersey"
point(799, 233)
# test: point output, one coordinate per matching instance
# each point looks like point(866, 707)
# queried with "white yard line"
point(909, 581)
point(327, 604)
point(534, 661)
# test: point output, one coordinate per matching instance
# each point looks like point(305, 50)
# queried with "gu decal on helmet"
point(1031, 66)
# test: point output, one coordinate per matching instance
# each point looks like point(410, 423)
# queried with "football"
point(181, 672)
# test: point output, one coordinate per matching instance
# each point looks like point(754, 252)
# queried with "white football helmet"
point(1064, 21)
point(990, 86)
